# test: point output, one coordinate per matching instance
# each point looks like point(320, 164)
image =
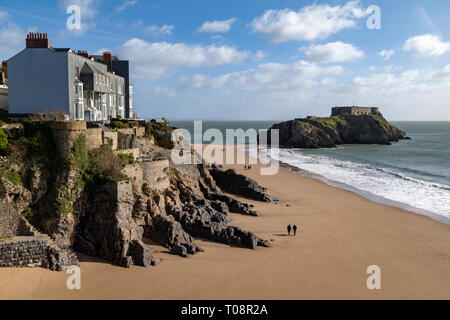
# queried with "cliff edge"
point(336, 130)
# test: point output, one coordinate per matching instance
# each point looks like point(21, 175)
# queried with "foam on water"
point(382, 182)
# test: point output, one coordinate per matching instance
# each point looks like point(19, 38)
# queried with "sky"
point(258, 59)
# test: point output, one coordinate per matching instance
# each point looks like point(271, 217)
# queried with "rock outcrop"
point(240, 185)
point(336, 130)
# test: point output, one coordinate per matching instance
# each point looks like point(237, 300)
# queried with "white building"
point(43, 79)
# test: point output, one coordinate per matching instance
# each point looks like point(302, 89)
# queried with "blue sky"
point(262, 60)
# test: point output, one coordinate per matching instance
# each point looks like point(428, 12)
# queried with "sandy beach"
point(341, 234)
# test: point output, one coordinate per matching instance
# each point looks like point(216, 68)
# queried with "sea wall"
point(25, 252)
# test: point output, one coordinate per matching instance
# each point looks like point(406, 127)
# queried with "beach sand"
point(341, 234)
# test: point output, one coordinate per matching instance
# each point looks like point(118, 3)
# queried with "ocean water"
point(412, 174)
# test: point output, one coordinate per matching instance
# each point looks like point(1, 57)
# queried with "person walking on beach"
point(295, 229)
point(289, 230)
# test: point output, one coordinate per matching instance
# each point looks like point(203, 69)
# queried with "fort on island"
point(354, 111)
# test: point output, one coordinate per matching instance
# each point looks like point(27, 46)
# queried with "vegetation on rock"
point(161, 132)
point(3, 142)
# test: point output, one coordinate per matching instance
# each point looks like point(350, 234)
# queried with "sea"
point(410, 174)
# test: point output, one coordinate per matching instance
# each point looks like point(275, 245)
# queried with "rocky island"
point(347, 125)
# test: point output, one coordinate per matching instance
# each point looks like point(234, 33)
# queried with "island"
point(346, 125)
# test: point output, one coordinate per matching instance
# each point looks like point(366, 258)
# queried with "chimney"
point(107, 59)
point(84, 54)
point(37, 40)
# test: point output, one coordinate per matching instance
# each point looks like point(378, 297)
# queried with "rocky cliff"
point(84, 201)
point(333, 131)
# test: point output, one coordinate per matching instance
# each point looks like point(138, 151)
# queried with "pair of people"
point(248, 167)
point(294, 229)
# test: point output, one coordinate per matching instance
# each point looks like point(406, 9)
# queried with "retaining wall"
point(23, 253)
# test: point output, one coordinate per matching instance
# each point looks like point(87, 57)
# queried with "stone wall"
point(124, 140)
point(64, 134)
point(94, 138)
point(127, 131)
point(110, 137)
point(135, 173)
point(155, 174)
point(30, 248)
point(355, 111)
point(12, 224)
point(23, 252)
point(140, 132)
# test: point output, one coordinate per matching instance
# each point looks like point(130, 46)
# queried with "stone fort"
point(354, 111)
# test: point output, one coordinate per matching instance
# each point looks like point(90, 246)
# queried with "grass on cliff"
point(14, 178)
point(329, 122)
point(161, 132)
point(125, 159)
point(79, 153)
point(38, 139)
point(3, 142)
point(96, 167)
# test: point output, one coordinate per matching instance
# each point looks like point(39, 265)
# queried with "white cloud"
point(259, 55)
point(160, 31)
point(406, 95)
point(12, 37)
point(427, 45)
point(333, 52)
point(154, 29)
point(217, 26)
point(386, 54)
point(154, 60)
point(310, 23)
point(126, 4)
point(3, 16)
point(268, 77)
point(88, 9)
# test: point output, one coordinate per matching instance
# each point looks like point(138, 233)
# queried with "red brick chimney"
point(37, 40)
point(107, 59)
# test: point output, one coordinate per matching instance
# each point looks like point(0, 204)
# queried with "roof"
point(91, 67)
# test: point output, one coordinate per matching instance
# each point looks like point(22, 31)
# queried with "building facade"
point(121, 68)
point(4, 87)
point(43, 79)
point(354, 111)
